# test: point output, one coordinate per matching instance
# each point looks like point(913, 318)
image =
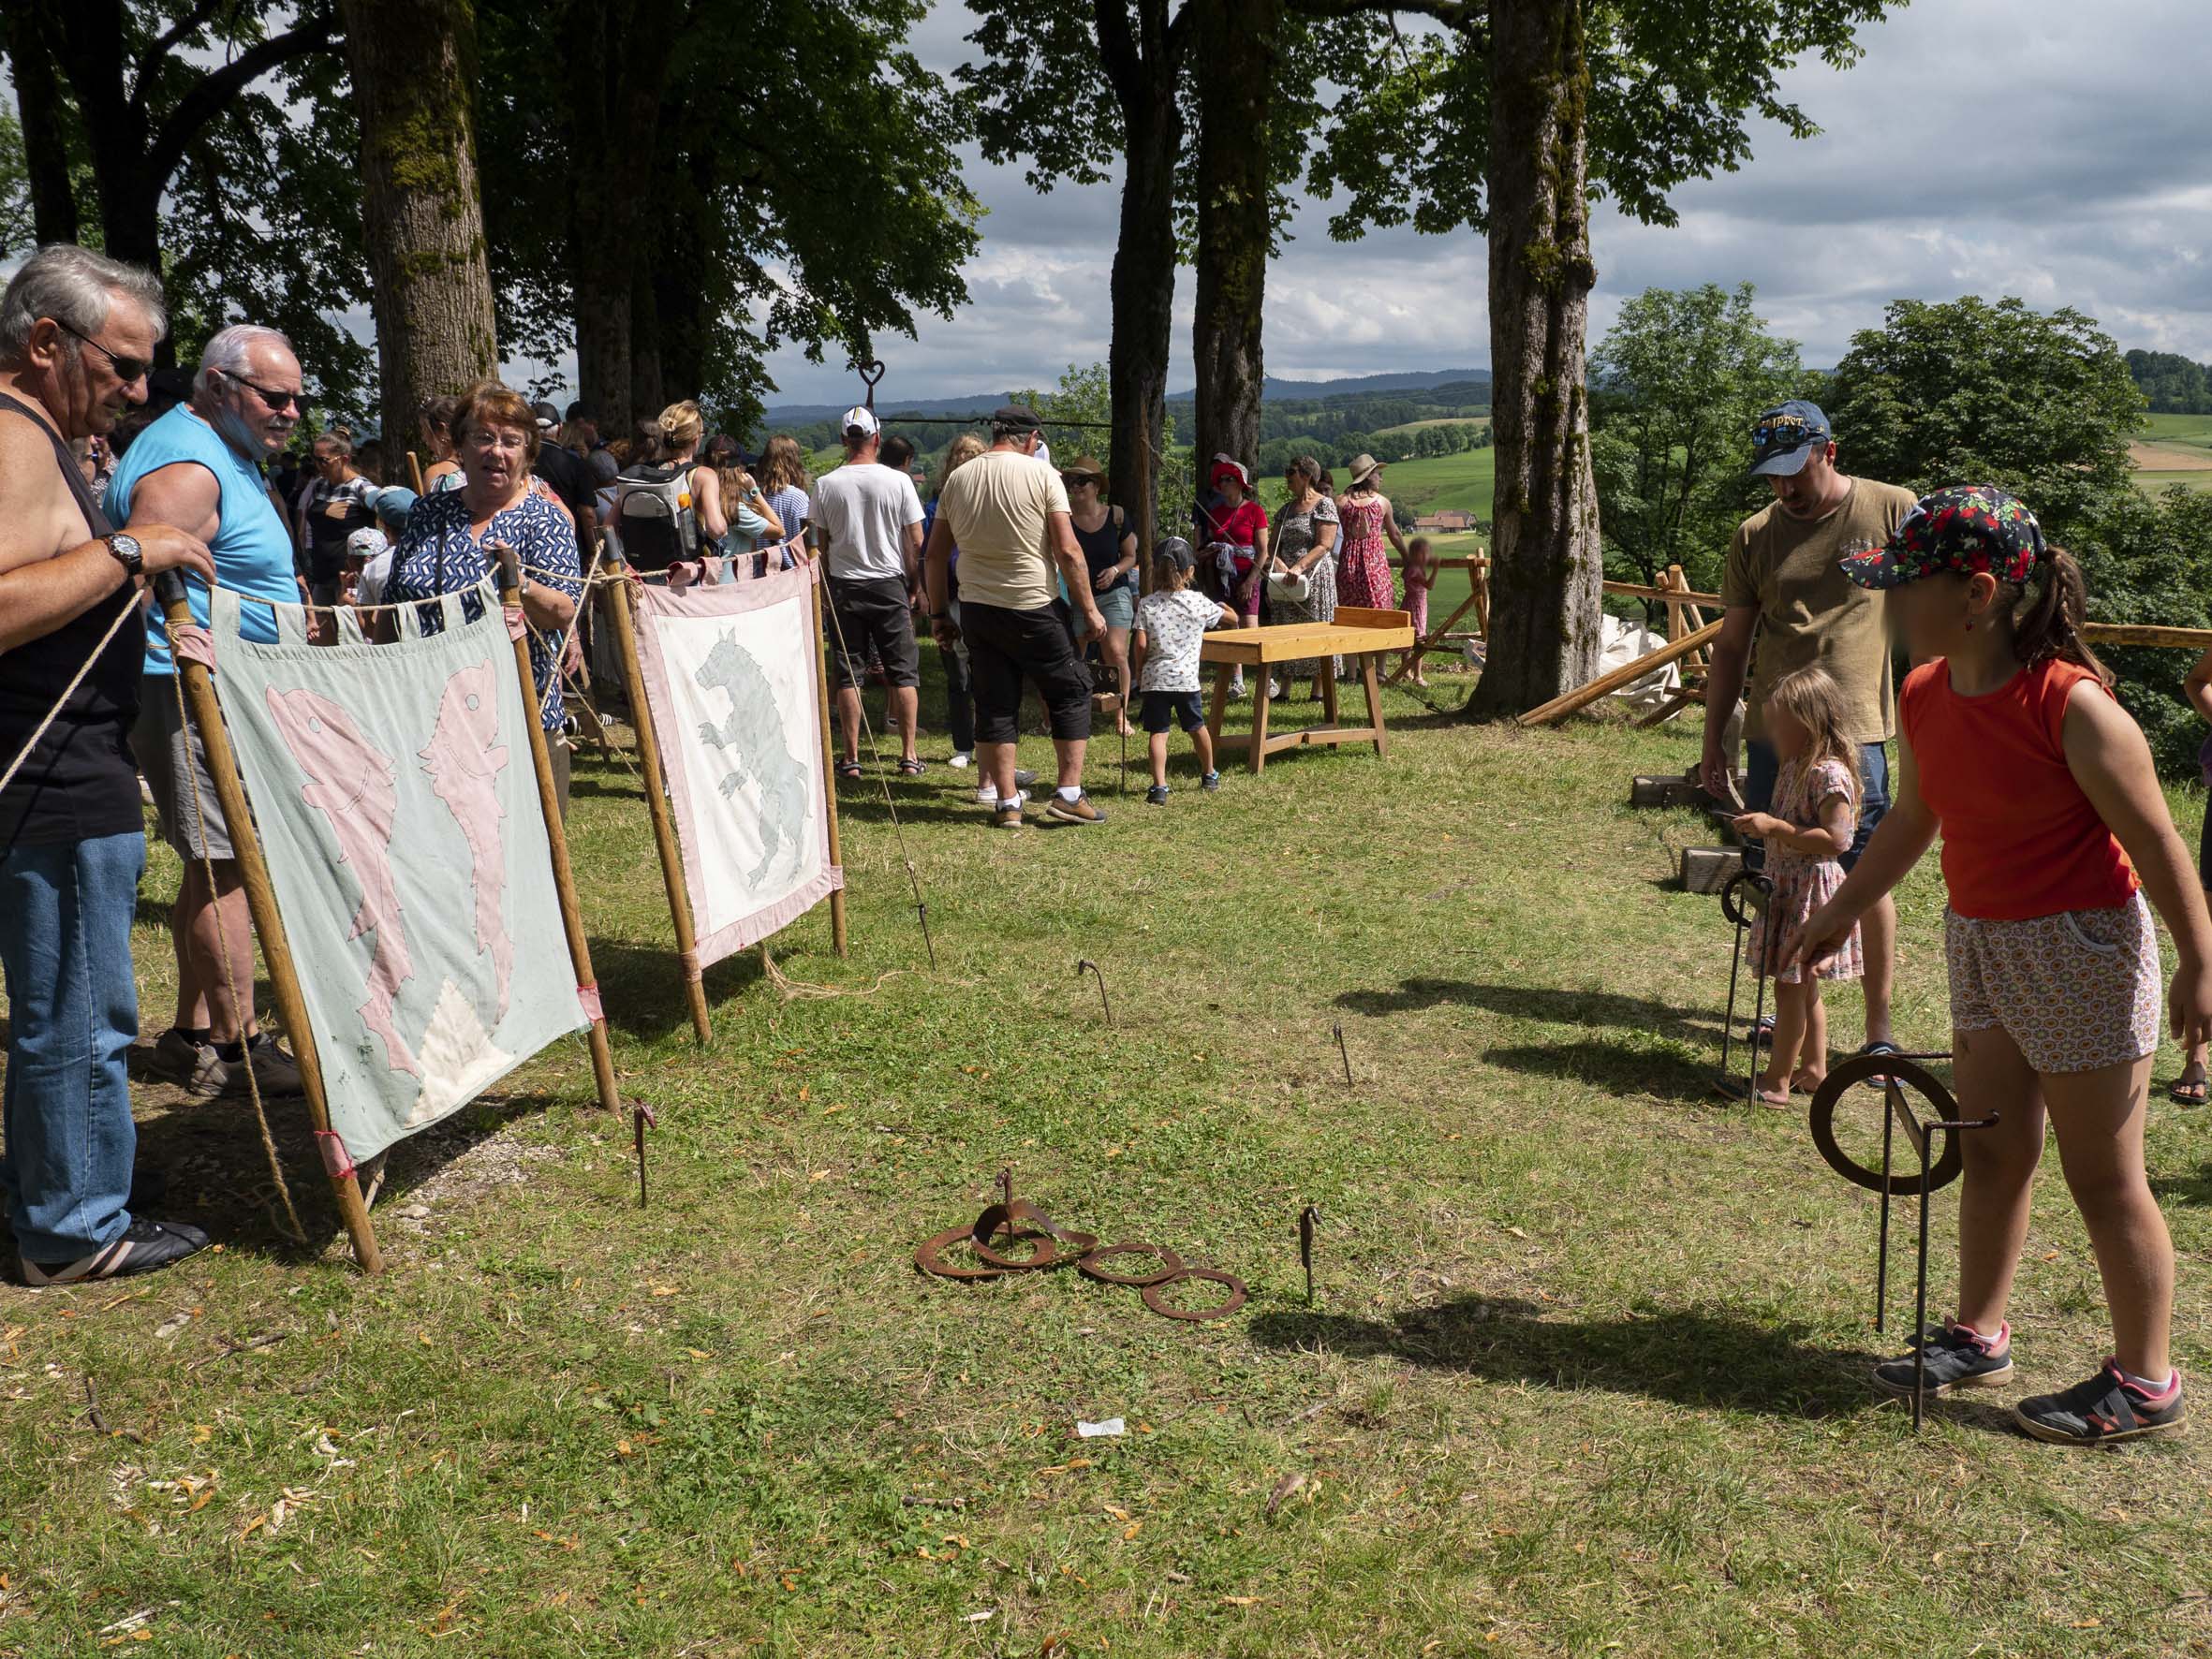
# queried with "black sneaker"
point(1156, 794)
point(2102, 1411)
point(1957, 1357)
point(1210, 782)
point(145, 1245)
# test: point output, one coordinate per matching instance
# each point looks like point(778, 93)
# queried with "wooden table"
point(1354, 633)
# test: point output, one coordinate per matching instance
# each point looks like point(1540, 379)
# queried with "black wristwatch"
point(127, 552)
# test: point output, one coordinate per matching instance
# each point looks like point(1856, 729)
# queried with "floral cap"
point(1965, 528)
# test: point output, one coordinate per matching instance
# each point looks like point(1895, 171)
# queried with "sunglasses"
point(276, 401)
point(129, 370)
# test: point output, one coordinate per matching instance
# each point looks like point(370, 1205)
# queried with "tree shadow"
point(641, 985)
point(2193, 1187)
point(1688, 1356)
point(1547, 1005)
point(1617, 1067)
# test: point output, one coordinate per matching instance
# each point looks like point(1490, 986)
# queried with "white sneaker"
point(1274, 689)
point(1238, 691)
point(961, 757)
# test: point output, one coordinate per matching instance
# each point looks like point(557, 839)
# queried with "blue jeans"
point(65, 912)
point(1762, 766)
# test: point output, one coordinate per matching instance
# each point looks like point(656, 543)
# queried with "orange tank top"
point(2020, 839)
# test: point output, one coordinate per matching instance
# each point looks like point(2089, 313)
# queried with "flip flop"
point(2188, 1091)
point(1878, 1048)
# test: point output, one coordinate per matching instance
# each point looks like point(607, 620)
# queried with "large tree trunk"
point(46, 140)
point(413, 66)
point(1235, 56)
point(1545, 567)
point(1143, 282)
point(618, 53)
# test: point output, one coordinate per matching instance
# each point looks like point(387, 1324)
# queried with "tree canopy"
point(2173, 384)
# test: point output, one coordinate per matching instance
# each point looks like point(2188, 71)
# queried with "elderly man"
point(199, 467)
point(77, 336)
point(1785, 584)
point(1009, 517)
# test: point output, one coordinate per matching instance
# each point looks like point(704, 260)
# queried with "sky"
point(2051, 148)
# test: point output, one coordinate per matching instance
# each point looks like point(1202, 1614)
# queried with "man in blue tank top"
point(199, 467)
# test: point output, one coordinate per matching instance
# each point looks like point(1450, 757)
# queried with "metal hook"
point(1086, 962)
point(641, 1118)
point(1306, 1220)
point(1343, 1052)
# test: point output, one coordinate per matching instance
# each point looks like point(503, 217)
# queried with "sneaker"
point(1238, 690)
point(1008, 817)
point(962, 759)
point(1957, 1357)
point(1156, 794)
point(194, 1066)
point(2101, 1411)
point(1079, 811)
point(1210, 782)
point(275, 1071)
point(1274, 689)
point(145, 1245)
point(1023, 778)
point(987, 795)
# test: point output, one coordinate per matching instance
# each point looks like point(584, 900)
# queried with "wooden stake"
point(511, 594)
point(657, 805)
point(261, 897)
point(821, 675)
point(415, 470)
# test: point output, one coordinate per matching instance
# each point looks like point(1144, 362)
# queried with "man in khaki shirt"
point(1784, 585)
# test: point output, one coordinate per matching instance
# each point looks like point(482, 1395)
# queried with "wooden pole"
point(821, 675)
point(261, 897)
point(2146, 634)
point(510, 595)
point(657, 805)
point(415, 470)
point(1582, 695)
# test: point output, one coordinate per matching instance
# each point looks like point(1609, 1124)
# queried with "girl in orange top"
point(2054, 828)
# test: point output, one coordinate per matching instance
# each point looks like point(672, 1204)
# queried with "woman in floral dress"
point(1362, 567)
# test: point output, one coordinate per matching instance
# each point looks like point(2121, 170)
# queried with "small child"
point(1815, 818)
point(1172, 623)
point(1421, 576)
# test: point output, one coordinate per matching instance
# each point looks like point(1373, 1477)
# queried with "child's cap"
point(366, 544)
point(1174, 550)
point(1967, 528)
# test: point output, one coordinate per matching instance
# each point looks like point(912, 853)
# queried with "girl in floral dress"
point(1815, 817)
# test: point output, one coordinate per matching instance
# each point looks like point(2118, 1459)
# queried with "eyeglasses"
point(274, 400)
point(129, 370)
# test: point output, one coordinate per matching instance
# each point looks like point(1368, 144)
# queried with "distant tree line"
point(2173, 384)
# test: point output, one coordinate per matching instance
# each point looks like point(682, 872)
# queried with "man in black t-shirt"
point(566, 475)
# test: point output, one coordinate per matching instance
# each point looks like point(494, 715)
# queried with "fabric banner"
point(399, 812)
point(732, 675)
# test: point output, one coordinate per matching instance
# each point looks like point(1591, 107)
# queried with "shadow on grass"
point(1546, 1005)
point(1687, 1357)
point(2195, 1187)
point(641, 986)
point(1618, 1067)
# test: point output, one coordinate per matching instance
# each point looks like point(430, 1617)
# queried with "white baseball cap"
point(863, 419)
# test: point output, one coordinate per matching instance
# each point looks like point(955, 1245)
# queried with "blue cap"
point(393, 503)
point(1786, 436)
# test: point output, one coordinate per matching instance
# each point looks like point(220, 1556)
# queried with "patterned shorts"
point(2075, 990)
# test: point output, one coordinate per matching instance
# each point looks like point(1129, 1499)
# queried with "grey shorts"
point(170, 758)
point(2075, 990)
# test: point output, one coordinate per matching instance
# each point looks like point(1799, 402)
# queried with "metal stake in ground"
point(1086, 962)
point(641, 1118)
point(1342, 1053)
point(1306, 1219)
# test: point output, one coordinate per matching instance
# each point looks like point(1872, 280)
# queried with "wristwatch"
point(127, 552)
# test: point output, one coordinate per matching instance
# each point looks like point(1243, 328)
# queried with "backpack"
point(654, 519)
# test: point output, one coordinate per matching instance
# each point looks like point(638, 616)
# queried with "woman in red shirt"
point(2054, 828)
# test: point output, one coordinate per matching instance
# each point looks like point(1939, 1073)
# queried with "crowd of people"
point(2009, 743)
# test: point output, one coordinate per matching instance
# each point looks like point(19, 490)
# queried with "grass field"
point(1436, 420)
point(2175, 449)
point(1584, 1371)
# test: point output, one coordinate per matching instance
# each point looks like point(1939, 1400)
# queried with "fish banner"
point(733, 677)
point(398, 809)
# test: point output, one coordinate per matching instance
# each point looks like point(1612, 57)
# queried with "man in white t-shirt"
point(1009, 518)
point(867, 530)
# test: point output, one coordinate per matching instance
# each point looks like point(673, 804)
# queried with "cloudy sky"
point(2053, 149)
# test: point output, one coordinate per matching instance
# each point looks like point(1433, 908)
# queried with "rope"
point(245, 1013)
point(68, 691)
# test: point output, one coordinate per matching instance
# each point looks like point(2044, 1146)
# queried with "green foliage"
point(2173, 384)
point(15, 188)
point(2149, 560)
point(1971, 392)
point(1674, 387)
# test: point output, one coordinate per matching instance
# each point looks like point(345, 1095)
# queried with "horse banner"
point(732, 675)
point(399, 814)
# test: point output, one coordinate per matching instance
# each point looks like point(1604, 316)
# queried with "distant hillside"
point(1473, 384)
point(1363, 385)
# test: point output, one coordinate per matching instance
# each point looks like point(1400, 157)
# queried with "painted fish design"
point(464, 759)
point(349, 781)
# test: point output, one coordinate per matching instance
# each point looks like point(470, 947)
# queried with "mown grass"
point(1584, 1372)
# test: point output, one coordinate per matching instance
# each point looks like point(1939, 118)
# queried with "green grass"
point(1435, 420)
point(1585, 1371)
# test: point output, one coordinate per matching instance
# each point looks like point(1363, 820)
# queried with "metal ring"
point(929, 1261)
point(1236, 1295)
point(1048, 1252)
point(1731, 895)
point(1171, 1266)
point(1002, 1218)
point(1905, 1172)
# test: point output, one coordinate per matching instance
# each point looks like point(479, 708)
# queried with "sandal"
point(850, 771)
point(1878, 1048)
point(908, 767)
point(2188, 1091)
point(1774, 1100)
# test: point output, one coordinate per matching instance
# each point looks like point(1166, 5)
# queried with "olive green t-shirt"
point(1786, 569)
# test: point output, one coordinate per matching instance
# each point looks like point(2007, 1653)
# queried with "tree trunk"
point(619, 52)
point(1545, 565)
point(46, 140)
point(413, 63)
point(648, 391)
point(1235, 55)
point(1143, 291)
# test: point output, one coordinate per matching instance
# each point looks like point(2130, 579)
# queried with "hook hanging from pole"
point(871, 372)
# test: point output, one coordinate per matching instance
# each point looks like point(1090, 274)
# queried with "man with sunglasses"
point(1784, 585)
point(76, 333)
point(199, 467)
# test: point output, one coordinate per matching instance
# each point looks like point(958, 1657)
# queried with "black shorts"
point(1006, 647)
point(1162, 706)
point(874, 620)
